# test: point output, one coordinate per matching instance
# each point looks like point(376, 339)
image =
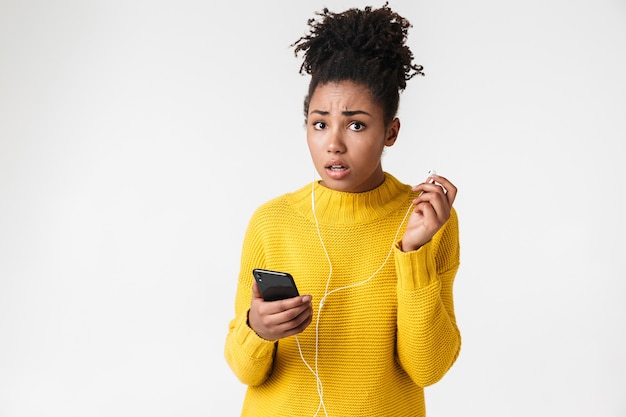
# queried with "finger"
point(431, 193)
point(295, 330)
point(434, 205)
point(293, 317)
point(307, 318)
point(430, 187)
point(297, 323)
point(450, 189)
point(429, 212)
point(256, 292)
point(300, 302)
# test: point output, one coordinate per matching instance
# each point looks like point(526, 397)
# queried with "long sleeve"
point(249, 356)
point(428, 338)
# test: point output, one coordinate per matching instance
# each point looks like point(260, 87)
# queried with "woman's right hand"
point(273, 320)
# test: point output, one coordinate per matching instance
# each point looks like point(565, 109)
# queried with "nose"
point(334, 142)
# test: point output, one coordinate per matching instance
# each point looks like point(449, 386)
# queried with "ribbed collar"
point(339, 207)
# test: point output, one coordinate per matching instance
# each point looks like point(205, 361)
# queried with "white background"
point(137, 137)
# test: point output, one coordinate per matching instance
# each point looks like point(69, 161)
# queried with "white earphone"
point(327, 293)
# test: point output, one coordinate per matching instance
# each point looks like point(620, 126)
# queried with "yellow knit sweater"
point(378, 343)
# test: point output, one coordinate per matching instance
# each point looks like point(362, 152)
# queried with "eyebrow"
point(344, 113)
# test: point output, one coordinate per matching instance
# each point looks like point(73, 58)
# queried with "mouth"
point(336, 167)
point(336, 170)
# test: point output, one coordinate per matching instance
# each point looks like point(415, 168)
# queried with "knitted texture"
point(381, 339)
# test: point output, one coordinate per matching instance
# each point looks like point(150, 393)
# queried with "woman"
point(374, 258)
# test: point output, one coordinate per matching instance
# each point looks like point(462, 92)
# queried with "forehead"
point(342, 95)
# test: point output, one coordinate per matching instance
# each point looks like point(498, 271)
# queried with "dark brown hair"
point(365, 46)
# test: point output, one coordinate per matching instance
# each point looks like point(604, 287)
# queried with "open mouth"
point(336, 167)
point(336, 170)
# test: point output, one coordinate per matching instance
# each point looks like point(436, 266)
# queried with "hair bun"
point(375, 38)
point(366, 46)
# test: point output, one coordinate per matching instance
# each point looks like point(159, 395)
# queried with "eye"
point(357, 126)
point(319, 125)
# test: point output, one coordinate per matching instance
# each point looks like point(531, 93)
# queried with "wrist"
point(405, 247)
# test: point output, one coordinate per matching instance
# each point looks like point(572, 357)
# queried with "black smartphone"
point(275, 285)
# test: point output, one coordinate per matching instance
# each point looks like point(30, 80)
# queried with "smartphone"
point(275, 285)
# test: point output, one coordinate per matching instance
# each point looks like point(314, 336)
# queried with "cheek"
point(313, 139)
point(314, 147)
point(371, 151)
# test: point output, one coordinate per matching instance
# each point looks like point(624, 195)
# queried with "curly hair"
point(365, 46)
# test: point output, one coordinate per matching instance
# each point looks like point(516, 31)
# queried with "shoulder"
point(270, 207)
point(284, 205)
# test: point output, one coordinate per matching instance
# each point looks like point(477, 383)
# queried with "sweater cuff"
point(416, 269)
point(251, 343)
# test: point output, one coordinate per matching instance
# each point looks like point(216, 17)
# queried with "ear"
point(392, 131)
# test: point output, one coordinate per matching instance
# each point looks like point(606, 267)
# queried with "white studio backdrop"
point(137, 137)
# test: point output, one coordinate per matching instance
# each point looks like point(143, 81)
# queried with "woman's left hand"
point(431, 211)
